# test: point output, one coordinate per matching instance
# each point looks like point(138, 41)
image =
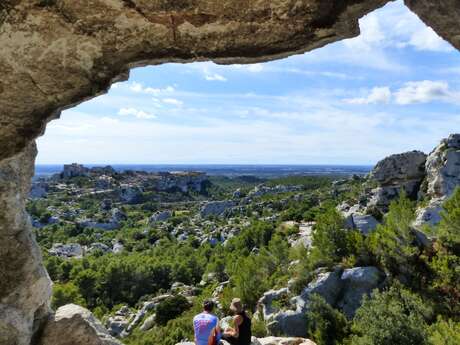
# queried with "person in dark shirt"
point(241, 334)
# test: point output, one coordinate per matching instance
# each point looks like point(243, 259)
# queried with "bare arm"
point(237, 320)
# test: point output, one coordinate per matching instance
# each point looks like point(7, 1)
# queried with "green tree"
point(325, 325)
point(329, 238)
point(448, 229)
point(393, 242)
point(444, 333)
point(250, 280)
point(396, 317)
point(171, 308)
point(65, 294)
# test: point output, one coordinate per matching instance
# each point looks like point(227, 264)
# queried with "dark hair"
point(208, 305)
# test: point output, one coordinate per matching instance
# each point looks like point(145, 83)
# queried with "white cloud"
point(412, 92)
point(426, 39)
point(377, 95)
point(423, 92)
point(215, 77)
point(253, 68)
point(139, 114)
point(173, 101)
point(139, 88)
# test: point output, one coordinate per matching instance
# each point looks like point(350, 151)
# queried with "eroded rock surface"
point(72, 325)
point(396, 173)
point(25, 287)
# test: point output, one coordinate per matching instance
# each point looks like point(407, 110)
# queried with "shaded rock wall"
point(25, 287)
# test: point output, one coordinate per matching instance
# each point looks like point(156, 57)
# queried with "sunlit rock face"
point(25, 287)
point(56, 54)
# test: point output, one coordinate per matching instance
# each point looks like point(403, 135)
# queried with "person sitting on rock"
point(241, 334)
point(206, 325)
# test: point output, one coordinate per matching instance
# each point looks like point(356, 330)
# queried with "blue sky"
point(392, 89)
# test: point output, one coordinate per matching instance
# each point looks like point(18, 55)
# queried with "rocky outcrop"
point(25, 287)
point(72, 325)
point(343, 289)
point(74, 170)
point(281, 341)
point(184, 181)
point(130, 194)
point(357, 282)
point(404, 171)
point(443, 168)
point(160, 216)
point(216, 208)
point(71, 250)
point(442, 177)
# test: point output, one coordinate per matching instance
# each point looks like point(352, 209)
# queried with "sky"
point(393, 89)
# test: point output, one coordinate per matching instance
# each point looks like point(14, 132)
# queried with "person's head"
point(236, 306)
point(208, 305)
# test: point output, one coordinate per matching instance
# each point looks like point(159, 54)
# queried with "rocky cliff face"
point(442, 177)
point(25, 287)
point(56, 54)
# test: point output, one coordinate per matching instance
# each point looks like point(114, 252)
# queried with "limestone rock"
point(71, 250)
point(328, 285)
point(442, 177)
point(130, 194)
point(73, 325)
point(399, 168)
point(284, 341)
point(404, 171)
point(160, 216)
point(358, 281)
point(443, 168)
point(25, 288)
point(216, 208)
point(148, 323)
point(266, 302)
point(429, 215)
point(291, 323)
point(364, 223)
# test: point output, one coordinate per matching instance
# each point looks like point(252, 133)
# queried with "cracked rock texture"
point(57, 53)
point(25, 287)
point(72, 325)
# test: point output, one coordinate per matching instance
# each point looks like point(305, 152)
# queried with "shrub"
point(449, 228)
point(444, 333)
point(396, 317)
point(393, 242)
point(64, 294)
point(325, 325)
point(171, 308)
point(329, 238)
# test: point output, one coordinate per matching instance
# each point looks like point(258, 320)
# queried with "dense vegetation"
point(419, 303)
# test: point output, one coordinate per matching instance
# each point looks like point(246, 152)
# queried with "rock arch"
point(57, 53)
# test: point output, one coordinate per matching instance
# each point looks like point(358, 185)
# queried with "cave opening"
point(367, 95)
